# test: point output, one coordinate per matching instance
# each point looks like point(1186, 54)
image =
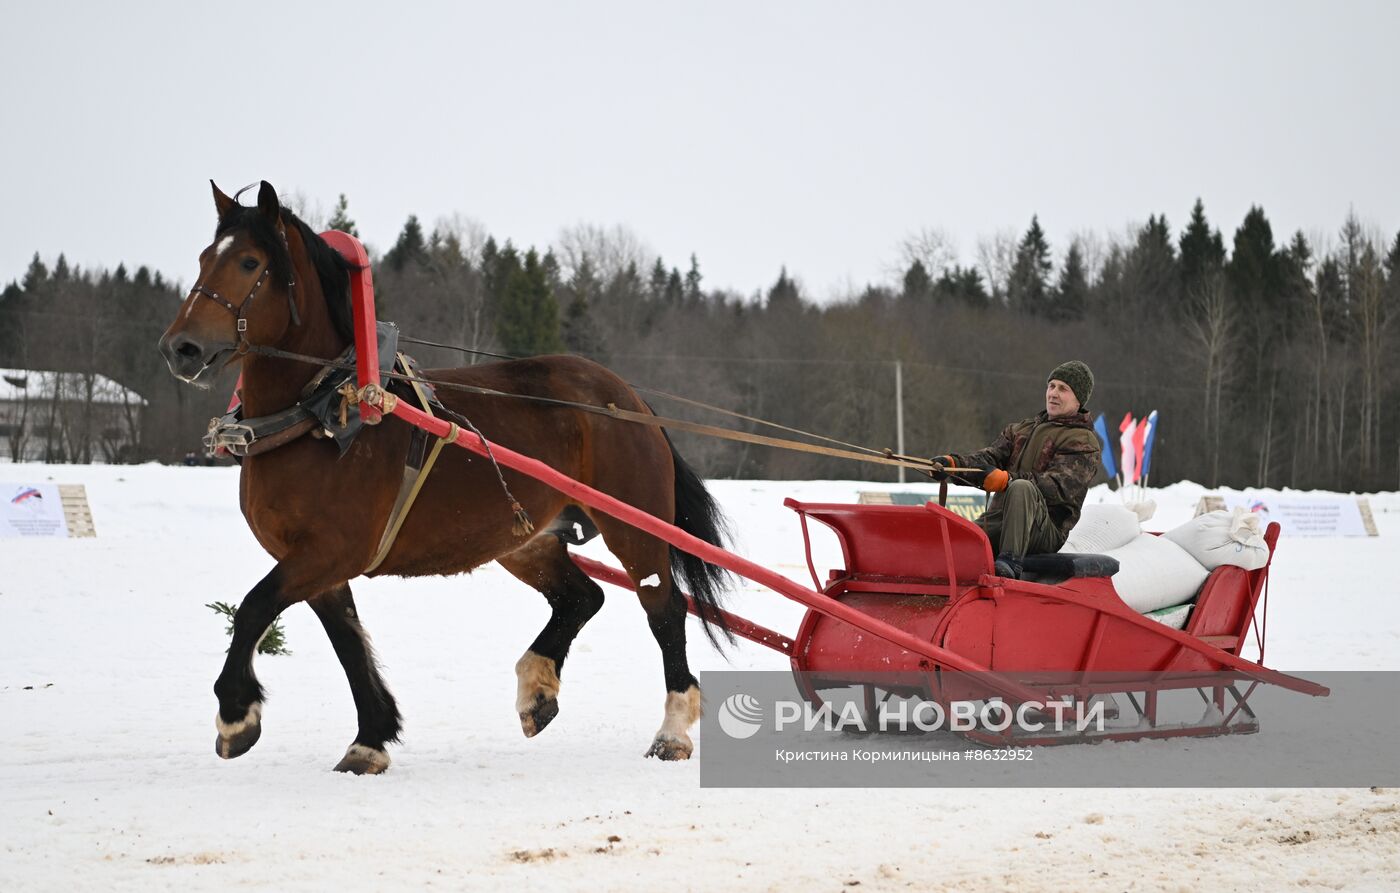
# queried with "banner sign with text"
point(968, 505)
point(31, 510)
point(1304, 515)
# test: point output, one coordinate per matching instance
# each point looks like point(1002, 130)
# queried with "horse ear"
point(268, 204)
point(222, 203)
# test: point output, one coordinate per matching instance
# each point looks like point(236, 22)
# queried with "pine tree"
point(963, 284)
point(1072, 291)
point(550, 265)
point(527, 320)
point(340, 218)
point(36, 276)
point(1329, 282)
point(1202, 252)
point(1155, 262)
point(490, 267)
point(692, 281)
point(1392, 261)
point(580, 331)
point(411, 247)
point(675, 290)
point(657, 288)
point(1253, 270)
point(1028, 288)
point(1392, 286)
point(274, 641)
point(784, 295)
point(918, 285)
point(445, 248)
point(1254, 275)
point(1295, 268)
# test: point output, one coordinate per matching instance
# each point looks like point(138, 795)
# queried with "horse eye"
point(250, 264)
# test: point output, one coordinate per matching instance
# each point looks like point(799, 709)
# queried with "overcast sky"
point(753, 134)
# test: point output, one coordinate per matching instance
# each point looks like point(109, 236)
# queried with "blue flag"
point(1107, 452)
point(1147, 443)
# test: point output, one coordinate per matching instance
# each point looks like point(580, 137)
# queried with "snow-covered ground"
point(108, 779)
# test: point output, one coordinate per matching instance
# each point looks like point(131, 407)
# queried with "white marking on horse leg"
point(535, 675)
point(682, 711)
point(363, 760)
point(537, 683)
point(230, 729)
point(653, 581)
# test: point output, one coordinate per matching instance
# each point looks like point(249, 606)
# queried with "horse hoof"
point(669, 747)
point(533, 721)
point(236, 739)
point(362, 760)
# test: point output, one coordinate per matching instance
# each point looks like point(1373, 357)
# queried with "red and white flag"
point(1128, 429)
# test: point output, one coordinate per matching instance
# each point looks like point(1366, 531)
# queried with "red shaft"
point(741, 627)
point(694, 545)
point(362, 308)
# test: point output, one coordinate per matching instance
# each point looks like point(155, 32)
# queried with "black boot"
point(1008, 566)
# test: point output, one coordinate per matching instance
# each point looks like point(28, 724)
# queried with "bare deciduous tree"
point(996, 256)
point(611, 250)
point(932, 246)
point(1211, 329)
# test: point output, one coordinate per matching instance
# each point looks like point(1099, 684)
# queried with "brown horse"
point(320, 515)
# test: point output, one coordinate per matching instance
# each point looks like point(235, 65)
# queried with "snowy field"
point(108, 778)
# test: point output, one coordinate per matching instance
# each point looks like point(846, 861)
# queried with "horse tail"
point(698, 514)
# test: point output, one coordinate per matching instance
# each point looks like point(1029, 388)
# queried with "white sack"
point(1217, 538)
point(1154, 572)
point(1102, 527)
point(1174, 617)
point(1143, 508)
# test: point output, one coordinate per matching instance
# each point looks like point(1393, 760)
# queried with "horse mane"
point(332, 269)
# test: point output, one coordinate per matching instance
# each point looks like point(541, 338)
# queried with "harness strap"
point(415, 471)
point(249, 437)
point(281, 438)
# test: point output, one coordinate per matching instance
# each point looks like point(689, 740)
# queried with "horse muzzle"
point(189, 358)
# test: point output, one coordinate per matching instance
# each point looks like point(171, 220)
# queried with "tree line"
point(1267, 358)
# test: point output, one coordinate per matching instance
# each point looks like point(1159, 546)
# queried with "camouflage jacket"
point(1060, 456)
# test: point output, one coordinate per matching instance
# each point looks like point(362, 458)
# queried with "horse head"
point(245, 294)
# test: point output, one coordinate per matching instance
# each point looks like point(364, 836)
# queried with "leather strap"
point(286, 436)
point(415, 471)
point(249, 437)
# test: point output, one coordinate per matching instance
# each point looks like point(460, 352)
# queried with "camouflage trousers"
point(1019, 522)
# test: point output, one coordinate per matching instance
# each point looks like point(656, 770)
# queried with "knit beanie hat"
point(1078, 377)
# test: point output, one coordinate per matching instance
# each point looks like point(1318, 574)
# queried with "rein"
point(709, 407)
point(865, 454)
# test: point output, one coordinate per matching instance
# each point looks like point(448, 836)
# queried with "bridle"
point(238, 310)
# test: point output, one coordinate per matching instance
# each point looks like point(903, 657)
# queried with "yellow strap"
point(413, 481)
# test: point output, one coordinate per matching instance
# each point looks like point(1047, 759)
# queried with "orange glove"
point(996, 480)
point(939, 463)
